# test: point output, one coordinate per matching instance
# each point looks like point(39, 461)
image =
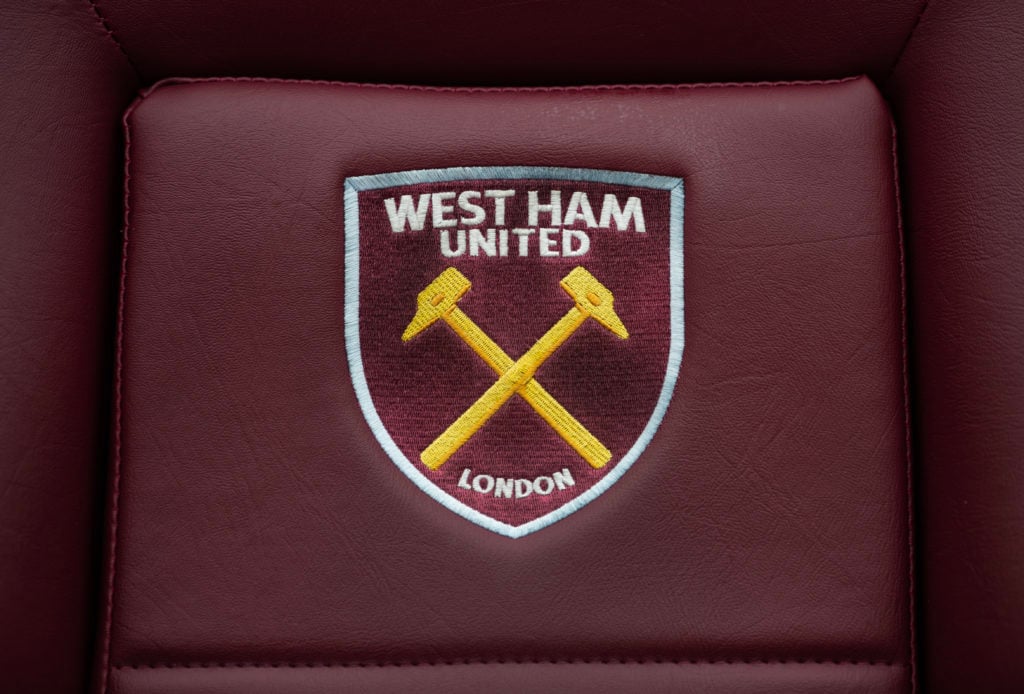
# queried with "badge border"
point(357, 184)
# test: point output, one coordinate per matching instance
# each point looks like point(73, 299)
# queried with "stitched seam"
point(107, 666)
point(473, 90)
point(912, 644)
point(115, 492)
point(906, 41)
point(500, 661)
point(109, 31)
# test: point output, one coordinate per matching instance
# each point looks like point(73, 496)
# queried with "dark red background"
point(949, 68)
point(259, 516)
point(610, 385)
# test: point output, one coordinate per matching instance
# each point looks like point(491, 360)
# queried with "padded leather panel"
point(512, 678)
point(259, 521)
point(959, 94)
point(64, 86)
point(495, 42)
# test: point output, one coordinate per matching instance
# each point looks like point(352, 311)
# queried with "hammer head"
point(436, 300)
point(594, 299)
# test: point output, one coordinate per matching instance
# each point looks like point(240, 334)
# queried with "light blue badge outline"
point(357, 184)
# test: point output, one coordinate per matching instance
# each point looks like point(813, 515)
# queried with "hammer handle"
point(543, 403)
point(453, 438)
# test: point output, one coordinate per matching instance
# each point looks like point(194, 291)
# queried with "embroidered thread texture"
point(521, 233)
point(439, 301)
point(592, 300)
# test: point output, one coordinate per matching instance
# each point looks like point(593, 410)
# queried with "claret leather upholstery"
point(218, 218)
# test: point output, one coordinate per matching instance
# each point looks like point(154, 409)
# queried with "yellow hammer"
point(593, 300)
point(439, 301)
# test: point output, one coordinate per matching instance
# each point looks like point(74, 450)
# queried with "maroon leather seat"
point(212, 420)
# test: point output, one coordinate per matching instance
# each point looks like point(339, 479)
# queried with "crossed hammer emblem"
point(439, 301)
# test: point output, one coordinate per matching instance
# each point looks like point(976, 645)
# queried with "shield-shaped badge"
point(514, 333)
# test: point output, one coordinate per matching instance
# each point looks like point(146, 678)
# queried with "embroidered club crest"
point(514, 334)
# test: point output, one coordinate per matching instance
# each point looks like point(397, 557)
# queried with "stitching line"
point(109, 30)
point(906, 41)
point(115, 491)
point(502, 661)
point(107, 666)
point(475, 90)
point(912, 644)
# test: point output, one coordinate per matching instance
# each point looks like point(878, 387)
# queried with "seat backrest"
point(786, 460)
